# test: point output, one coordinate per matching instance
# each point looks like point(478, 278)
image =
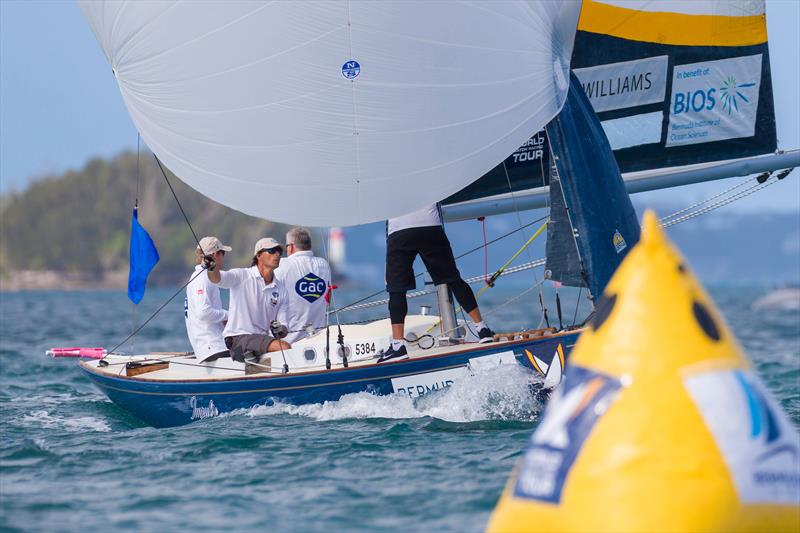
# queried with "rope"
point(499, 272)
point(711, 207)
point(353, 305)
point(156, 312)
point(179, 204)
point(425, 292)
point(723, 193)
point(482, 220)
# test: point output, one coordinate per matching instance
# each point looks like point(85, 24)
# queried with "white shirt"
point(205, 317)
point(306, 279)
point(425, 217)
point(254, 304)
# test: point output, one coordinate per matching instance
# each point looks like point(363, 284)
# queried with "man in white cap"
point(307, 279)
point(259, 303)
point(202, 307)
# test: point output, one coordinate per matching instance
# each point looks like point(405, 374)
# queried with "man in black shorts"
point(421, 232)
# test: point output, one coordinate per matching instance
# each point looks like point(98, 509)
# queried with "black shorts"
point(431, 244)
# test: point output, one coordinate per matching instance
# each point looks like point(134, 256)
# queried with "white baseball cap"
point(210, 245)
point(265, 244)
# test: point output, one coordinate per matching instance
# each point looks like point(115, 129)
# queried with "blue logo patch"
point(351, 69)
point(310, 287)
point(575, 408)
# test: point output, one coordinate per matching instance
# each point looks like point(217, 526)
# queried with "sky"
point(60, 105)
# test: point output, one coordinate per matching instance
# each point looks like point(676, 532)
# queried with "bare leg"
point(475, 315)
point(277, 345)
point(398, 331)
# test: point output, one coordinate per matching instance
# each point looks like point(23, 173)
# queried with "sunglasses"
point(221, 252)
point(272, 251)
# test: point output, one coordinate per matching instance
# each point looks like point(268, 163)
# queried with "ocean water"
point(71, 460)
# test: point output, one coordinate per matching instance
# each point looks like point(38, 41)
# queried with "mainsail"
point(341, 112)
point(683, 91)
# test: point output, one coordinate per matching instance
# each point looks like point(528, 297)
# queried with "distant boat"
point(783, 298)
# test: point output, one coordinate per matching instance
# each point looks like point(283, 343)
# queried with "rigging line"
point(723, 193)
point(138, 175)
point(577, 304)
point(376, 293)
point(499, 273)
point(500, 270)
point(179, 204)
point(721, 203)
point(155, 313)
point(519, 220)
point(470, 281)
point(136, 208)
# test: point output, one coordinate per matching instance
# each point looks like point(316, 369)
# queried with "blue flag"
point(144, 257)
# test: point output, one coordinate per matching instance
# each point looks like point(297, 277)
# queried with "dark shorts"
point(431, 244)
point(240, 344)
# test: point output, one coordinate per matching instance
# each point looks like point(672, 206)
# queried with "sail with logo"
point(682, 89)
point(333, 113)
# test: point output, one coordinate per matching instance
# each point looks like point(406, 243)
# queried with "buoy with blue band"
point(660, 423)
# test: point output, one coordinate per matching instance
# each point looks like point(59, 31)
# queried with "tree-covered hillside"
point(78, 223)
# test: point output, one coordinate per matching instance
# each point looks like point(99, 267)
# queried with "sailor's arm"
point(212, 270)
point(200, 306)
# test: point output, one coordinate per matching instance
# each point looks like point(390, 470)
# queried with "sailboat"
point(333, 114)
point(348, 143)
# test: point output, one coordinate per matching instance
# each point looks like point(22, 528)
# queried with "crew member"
point(421, 232)
point(259, 303)
point(202, 307)
point(307, 279)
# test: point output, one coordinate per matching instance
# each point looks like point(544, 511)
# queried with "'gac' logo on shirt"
point(310, 287)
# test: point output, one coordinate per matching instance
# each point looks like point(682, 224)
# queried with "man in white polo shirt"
point(257, 301)
point(202, 307)
point(306, 279)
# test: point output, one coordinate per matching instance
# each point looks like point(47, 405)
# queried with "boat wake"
point(506, 392)
point(44, 419)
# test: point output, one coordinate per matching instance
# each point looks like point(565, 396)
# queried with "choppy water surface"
point(71, 460)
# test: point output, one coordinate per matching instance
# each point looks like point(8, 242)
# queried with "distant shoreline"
point(52, 280)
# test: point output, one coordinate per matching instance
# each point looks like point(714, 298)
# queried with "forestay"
point(336, 113)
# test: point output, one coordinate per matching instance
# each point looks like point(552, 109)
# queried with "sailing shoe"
point(393, 355)
point(485, 335)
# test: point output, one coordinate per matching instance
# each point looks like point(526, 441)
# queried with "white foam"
point(500, 393)
point(79, 424)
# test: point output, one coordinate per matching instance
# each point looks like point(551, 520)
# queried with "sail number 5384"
point(365, 348)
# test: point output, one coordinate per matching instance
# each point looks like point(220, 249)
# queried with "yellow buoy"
point(660, 423)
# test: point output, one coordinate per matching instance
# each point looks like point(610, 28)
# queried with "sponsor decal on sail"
point(619, 241)
point(714, 100)
point(625, 84)
point(351, 69)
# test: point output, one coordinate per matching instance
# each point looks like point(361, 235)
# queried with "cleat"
point(485, 335)
point(393, 355)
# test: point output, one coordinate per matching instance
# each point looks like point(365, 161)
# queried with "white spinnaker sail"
point(259, 106)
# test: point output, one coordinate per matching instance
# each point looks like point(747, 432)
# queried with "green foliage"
point(79, 222)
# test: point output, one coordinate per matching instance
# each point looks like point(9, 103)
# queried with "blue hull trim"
point(175, 403)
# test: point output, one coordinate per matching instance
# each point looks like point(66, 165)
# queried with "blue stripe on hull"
point(175, 403)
